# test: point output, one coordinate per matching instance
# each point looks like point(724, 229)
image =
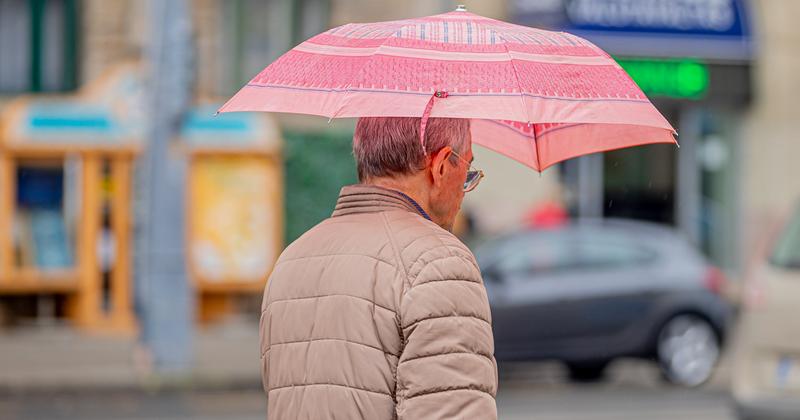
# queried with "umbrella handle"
point(426, 114)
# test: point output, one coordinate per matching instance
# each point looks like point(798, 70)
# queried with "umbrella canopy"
point(536, 96)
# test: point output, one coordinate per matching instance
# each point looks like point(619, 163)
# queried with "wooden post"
point(88, 298)
point(7, 203)
point(121, 317)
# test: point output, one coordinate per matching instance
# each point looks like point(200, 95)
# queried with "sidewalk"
point(54, 358)
point(226, 357)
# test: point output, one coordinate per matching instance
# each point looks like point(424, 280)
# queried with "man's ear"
point(438, 162)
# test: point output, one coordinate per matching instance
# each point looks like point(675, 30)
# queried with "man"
point(379, 312)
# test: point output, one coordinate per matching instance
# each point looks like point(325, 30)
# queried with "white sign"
point(706, 15)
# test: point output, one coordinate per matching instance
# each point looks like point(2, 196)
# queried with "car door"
point(561, 290)
point(609, 289)
point(525, 290)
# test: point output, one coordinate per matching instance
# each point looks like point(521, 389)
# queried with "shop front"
point(69, 197)
point(693, 59)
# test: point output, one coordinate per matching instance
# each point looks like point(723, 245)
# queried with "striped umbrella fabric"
point(537, 96)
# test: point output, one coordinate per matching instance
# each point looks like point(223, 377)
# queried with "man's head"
point(388, 153)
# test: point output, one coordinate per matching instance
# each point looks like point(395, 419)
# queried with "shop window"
point(38, 45)
point(44, 236)
point(639, 183)
point(719, 197)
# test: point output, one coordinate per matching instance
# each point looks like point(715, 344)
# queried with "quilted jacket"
point(377, 313)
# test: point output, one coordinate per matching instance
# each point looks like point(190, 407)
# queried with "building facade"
point(723, 75)
point(720, 73)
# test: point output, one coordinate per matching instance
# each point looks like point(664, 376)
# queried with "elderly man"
point(379, 312)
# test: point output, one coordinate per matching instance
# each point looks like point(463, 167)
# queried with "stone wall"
point(111, 32)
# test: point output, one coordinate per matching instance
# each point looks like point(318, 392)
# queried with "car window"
point(552, 253)
point(787, 251)
point(538, 255)
point(611, 255)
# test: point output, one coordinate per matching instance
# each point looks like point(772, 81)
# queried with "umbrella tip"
point(461, 8)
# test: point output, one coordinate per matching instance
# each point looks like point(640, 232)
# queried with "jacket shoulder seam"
point(401, 268)
point(399, 261)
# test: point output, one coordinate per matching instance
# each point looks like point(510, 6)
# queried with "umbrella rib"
point(522, 98)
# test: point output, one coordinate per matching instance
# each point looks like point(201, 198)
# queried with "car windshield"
point(787, 251)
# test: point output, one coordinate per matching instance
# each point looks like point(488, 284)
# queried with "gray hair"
point(390, 146)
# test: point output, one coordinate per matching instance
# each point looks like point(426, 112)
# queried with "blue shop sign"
point(202, 127)
point(711, 29)
point(73, 121)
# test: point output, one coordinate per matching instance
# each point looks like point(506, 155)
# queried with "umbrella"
point(537, 96)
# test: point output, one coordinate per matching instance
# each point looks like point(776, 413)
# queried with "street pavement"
point(632, 390)
point(58, 357)
point(57, 373)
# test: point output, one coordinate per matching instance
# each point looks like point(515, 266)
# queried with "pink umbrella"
point(537, 96)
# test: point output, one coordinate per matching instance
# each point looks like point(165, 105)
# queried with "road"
point(632, 390)
point(538, 392)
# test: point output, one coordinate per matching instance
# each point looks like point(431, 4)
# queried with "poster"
point(235, 205)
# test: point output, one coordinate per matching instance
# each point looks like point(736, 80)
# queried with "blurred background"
point(137, 229)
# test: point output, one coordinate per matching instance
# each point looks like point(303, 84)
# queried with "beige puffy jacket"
point(377, 313)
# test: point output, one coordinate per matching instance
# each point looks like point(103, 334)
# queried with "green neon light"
point(683, 78)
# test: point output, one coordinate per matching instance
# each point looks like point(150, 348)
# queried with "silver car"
point(590, 292)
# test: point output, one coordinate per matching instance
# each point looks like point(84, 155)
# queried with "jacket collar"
point(361, 198)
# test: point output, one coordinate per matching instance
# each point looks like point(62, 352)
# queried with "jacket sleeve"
point(447, 368)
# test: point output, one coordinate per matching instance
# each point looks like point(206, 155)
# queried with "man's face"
point(447, 191)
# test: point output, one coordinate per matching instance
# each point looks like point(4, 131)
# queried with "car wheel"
point(587, 372)
point(688, 349)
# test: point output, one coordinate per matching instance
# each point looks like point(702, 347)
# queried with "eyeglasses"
point(474, 176)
